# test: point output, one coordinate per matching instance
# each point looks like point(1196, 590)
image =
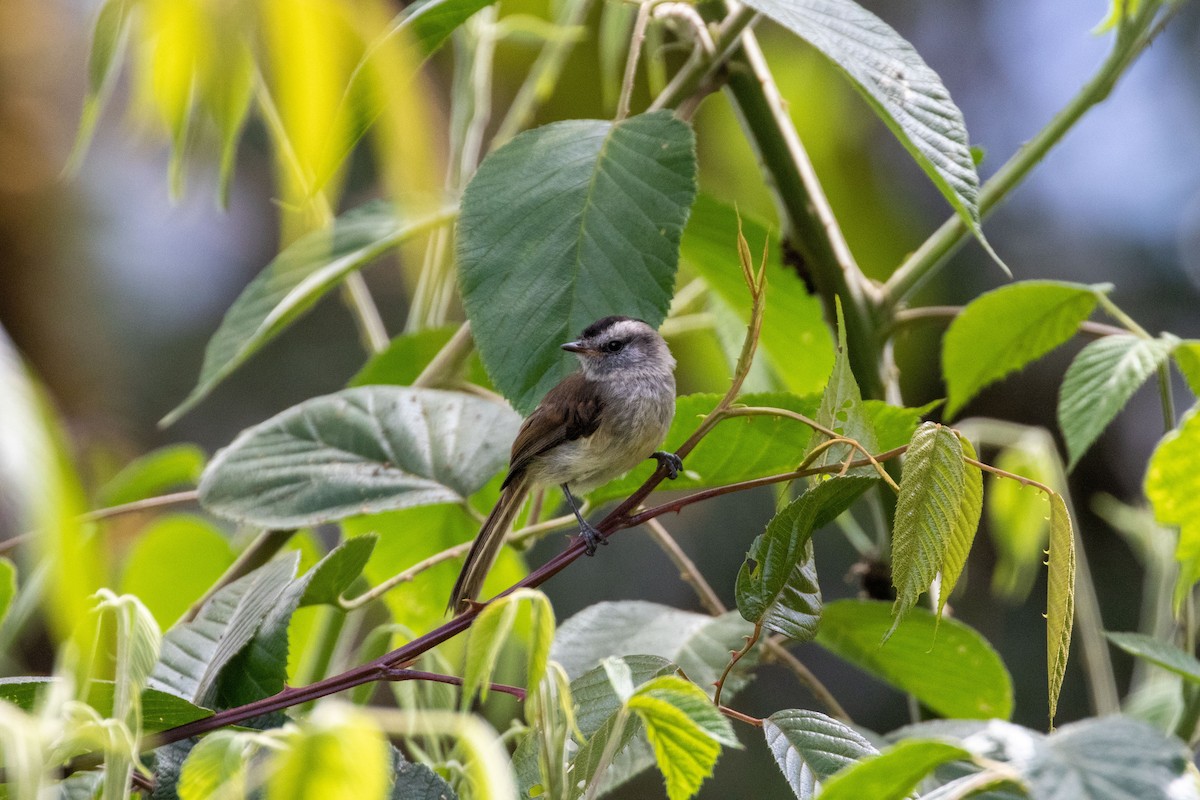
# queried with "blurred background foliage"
point(113, 277)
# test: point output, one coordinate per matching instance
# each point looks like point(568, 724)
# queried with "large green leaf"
point(698, 643)
point(156, 472)
point(900, 87)
point(950, 668)
point(934, 506)
point(406, 356)
point(160, 710)
point(1060, 597)
point(564, 225)
point(1173, 487)
point(894, 773)
point(736, 450)
point(777, 584)
point(361, 450)
point(293, 282)
point(336, 571)
point(1005, 329)
point(172, 564)
point(195, 653)
point(809, 747)
point(1100, 382)
point(1158, 652)
point(338, 753)
point(795, 340)
point(1112, 758)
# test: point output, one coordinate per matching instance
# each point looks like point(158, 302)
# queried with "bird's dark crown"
point(601, 325)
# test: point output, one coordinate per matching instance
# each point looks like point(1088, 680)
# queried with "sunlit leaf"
point(933, 505)
point(8, 585)
point(407, 355)
point(1100, 382)
point(216, 768)
point(1173, 487)
point(361, 450)
point(685, 730)
point(809, 747)
point(899, 86)
point(949, 667)
point(170, 467)
point(1003, 330)
point(292, 283)
point(895, 425)
point(339, 753)
point(564, 225)
point(1187, 358)
point(490, 633)
point(894, 773)
point(795, 341)
point(1060, 597)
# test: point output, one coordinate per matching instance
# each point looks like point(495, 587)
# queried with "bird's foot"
point(591, 538)
point(669, 461)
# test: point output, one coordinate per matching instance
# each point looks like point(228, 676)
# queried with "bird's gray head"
point(621, 345)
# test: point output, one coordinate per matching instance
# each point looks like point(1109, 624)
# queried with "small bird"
point(595, 425)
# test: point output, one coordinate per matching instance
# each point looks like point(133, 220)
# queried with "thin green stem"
point(1115, 311)
point(936, 250)
point(631, 61)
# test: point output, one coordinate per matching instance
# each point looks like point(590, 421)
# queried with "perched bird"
point(595, 425)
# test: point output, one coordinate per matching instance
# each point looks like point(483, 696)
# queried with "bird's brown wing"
point(569, 411)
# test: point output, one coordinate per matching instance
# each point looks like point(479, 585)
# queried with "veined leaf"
point(842, 411)
point(809, 747)
point(1173, 487)
point(962, 527)
point(1159, 653)
point(894, 773)
point(736, 450)
point(899, 86)
point(895, 425)
point(933, 505)
point(293, 282)
point(564, 225)
point(216, 768)
point(490, 633)
point(336, 571)
point(777, 584)
point(1100, 382)
point(685, 729)
point(946, 665)
point(359, 451)
point(795, 340)
point(1003, 330)
point(1060, 597)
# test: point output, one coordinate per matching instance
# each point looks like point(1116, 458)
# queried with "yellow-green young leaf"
point(174, 561)
point(685, 730)
point(1173, 487)
point(8, 585)
point(104, 61)
point(932, 494)
point(842, 411)
point(216, 768)
point(1187, 358)
point(1003, 330)
point(137, 645)
point(1100, 382)
point(1060, 597)
point(339, 754)
point(894, 773)
point(157, 472)
point(484, 642)
point(963, 526)
point(1018, 520)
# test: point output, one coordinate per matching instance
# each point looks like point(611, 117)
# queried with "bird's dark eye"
point(614, 346)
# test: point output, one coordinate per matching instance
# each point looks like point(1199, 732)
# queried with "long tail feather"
point(487, 544)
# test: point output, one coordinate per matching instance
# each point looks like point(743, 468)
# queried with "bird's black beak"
point(574, 347)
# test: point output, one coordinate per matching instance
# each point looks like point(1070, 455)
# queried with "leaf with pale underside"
point(359, 451)
point(810, 747)
point(1003, 330)
point(899, 86)
point(1100, 382)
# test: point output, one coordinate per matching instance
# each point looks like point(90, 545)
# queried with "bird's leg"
point(670, 461)
point(591, 536)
